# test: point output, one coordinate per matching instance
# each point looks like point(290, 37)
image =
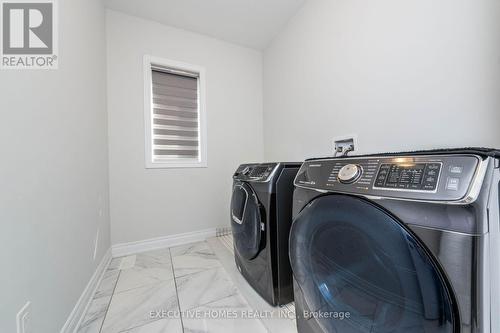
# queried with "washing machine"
point(261, 217)
point(394, 243)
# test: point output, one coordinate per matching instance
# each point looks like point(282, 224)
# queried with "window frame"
point(149, 63)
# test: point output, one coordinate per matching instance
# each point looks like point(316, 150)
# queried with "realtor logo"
point(29, 34)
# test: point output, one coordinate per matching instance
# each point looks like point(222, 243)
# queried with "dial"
point(349, 173)
point(246, 171)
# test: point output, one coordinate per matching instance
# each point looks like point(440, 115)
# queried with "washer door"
point(245, 221)
point(359, 266)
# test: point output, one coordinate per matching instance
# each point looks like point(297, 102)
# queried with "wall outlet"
point(23, 319)
point(96, 243)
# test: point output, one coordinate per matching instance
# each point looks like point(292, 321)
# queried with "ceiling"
point(251, 23)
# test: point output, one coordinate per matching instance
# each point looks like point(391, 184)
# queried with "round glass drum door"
point(360, 270)
point(245, 221)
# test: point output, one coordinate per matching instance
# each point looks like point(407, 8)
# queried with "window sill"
point(175, 165)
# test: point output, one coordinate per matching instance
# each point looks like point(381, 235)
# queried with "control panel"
point(414, 177)
point(430, 177)
point(255, 172)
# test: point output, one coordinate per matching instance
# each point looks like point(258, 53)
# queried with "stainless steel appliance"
point(398, 243)
point(261, 216)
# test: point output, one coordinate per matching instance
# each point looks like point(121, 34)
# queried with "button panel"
point(412, 177)
point(261, 171)
point(255, 172)
point(430, 177)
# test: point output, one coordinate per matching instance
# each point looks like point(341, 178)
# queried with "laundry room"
point(280, 166)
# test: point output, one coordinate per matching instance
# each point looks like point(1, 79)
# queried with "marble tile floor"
point(181, 289)
point(282, 319)
point(285, 311)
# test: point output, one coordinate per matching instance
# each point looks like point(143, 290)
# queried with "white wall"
point(402, 75)
point(53, 174)
point(149, 203)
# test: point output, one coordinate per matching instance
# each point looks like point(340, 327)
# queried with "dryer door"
point(245, 221)
point(361, 270)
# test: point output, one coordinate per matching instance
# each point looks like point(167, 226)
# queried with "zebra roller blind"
point(175, 116)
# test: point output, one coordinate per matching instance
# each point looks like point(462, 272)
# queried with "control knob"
point(349, 173)
point(246, 171)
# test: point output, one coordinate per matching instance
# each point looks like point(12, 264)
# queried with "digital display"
point(420, 176)
point(406, 174)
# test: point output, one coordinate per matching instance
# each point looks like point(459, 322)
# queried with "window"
point(175, 115)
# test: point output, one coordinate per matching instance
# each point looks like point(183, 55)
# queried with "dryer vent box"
point(344, 145)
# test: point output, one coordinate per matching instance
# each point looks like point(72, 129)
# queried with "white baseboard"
point(76, 316)
point(124, 249)
point(119, 250)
